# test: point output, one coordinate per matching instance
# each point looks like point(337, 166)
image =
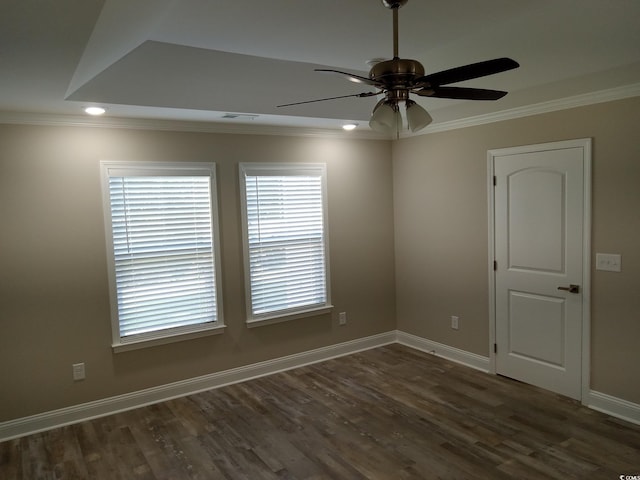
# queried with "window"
point(285, 240)
point(162, 238)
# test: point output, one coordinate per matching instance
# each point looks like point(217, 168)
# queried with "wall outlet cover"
point(78, 371)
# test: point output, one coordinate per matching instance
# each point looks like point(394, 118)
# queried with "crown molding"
point(48, 119)
point(601, 96)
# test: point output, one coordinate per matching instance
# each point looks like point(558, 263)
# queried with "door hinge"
point(495, 266)
point(495, 180)
point(495, 348)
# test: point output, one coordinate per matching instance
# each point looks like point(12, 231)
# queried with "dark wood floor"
point(388, 413)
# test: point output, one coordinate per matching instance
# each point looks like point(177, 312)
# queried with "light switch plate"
point(610, 262)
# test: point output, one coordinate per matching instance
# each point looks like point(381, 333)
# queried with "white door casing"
point(540, 242)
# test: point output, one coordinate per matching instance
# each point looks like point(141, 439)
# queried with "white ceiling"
point(200, 60)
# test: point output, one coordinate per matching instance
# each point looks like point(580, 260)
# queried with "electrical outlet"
point(342, 318)
point(454, 322)
point(78, 371)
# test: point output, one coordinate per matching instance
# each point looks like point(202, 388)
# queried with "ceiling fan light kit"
point(399, 77)
point(417, 117)
point(386, 117)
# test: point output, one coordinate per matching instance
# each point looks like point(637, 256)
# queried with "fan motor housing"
point(398, 71)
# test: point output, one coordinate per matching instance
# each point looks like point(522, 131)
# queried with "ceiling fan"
point(399, 77)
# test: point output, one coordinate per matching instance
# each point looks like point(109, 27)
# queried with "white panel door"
point(538, 235)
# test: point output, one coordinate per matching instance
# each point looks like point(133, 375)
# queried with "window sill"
point(287, 317)
point(163, 340)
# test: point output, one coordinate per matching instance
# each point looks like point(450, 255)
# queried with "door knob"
point(571, 288)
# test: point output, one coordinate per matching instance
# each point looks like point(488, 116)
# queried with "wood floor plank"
point(11, 459)
point(388, 413)
point(64, 454)
point(35, 461)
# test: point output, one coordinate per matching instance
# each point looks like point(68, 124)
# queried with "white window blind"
point(164, 252)
point(285, 232)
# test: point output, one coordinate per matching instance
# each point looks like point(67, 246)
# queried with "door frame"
point(586, 145)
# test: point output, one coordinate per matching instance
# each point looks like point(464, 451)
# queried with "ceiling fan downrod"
point(395, 5)
point(397, 73)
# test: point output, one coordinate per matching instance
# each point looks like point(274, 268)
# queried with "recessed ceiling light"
point(94, 110)
point(349, 126)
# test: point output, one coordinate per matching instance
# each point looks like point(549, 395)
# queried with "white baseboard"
point(57, 418)
point(616, 407)
point(445, 351)
point(610, 405)
point(99, 408)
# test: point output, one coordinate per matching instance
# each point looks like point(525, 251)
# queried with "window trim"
point(110, 168)
point(256, 168)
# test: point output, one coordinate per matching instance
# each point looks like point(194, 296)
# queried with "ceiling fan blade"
point(351, 77)
point(364, 94)
point(468, 72)
point(461, 93)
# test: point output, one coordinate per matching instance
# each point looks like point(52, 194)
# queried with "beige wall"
point(54, 305)
point(441, 220)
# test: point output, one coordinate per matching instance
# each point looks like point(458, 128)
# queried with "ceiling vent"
point(246, 116)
